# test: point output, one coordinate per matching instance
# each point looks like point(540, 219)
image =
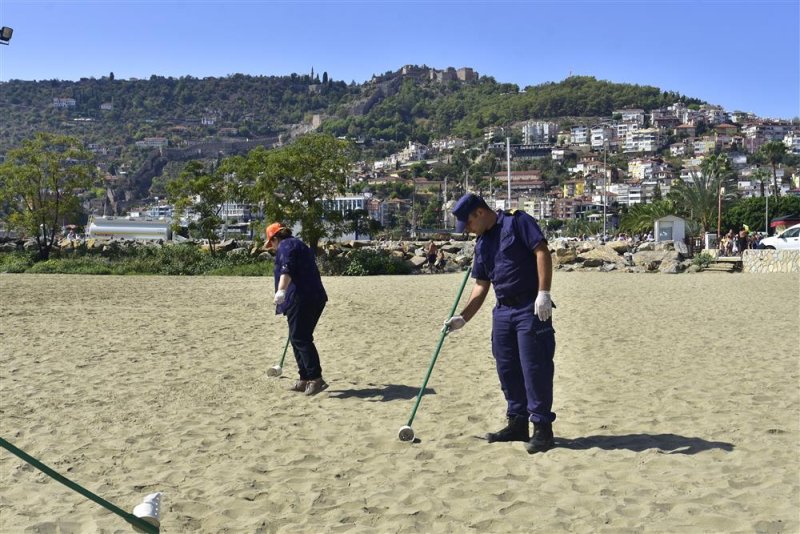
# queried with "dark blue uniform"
point(523, 346)
point(305, 301)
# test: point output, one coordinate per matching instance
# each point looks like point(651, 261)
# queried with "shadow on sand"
point(665, 443)
point(388, 392)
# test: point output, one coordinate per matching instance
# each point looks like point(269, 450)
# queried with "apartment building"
point(601, 136)
point(647, 140)
point(539, 132)
point(631, 115)
point(63, 103)
point(579, 135)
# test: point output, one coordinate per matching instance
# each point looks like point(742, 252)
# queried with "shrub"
point(703, 260)
point(365, 262)
point(85, 265)
point(15, 262)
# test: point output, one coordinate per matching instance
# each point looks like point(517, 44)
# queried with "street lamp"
point(605, 177)
point(5, 34)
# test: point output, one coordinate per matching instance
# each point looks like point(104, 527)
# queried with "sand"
point(678, 402)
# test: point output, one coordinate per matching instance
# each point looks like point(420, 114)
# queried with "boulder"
point(620, 247)
point(565, 255)
point(651, 259)
point(604, 254)
point(670, 267)
point(681, 248)
point(417, 261)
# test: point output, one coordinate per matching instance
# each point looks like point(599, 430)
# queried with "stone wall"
point(771, 261)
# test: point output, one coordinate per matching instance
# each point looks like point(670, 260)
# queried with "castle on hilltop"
point(464, 74)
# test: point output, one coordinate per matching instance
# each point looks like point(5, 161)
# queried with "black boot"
point(542, 439)
point(517, 430)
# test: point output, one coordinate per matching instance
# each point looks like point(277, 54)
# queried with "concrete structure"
point(670, 228)
point(128, 228)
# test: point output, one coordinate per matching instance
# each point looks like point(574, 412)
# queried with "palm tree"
point(641, 217)
point(700, 198)
point(773, 152)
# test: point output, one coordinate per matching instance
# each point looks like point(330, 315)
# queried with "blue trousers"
point(523, 348)
point(303, 317)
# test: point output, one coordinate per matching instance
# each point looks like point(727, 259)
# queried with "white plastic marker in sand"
point(149, 510)
point(277, 370)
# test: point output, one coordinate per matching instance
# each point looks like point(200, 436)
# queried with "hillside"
point(213, 117)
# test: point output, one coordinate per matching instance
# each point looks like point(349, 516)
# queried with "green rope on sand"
point(130, 518)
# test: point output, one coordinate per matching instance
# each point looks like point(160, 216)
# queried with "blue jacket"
point(504, 255)
point(296, 259)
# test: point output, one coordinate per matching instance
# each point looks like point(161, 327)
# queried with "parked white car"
point(789, 239)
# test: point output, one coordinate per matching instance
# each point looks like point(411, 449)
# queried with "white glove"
point(453, 323)
point(280, 297)
point(543, 307)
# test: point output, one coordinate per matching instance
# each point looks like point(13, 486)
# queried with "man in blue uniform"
point(511, 254)
point(300, 296)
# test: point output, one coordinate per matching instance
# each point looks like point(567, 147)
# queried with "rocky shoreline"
point(569, 254)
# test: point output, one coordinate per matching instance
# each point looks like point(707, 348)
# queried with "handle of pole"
point(443, 335)
point(130, 518)
point(285, 348)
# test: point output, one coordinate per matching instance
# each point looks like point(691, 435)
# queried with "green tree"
point(698, 200)
point(641, 218)
point(40, 183)
point(204, 193)
point(773, 152)
point(293, 182)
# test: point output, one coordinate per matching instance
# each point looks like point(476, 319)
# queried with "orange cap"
point(273, 229)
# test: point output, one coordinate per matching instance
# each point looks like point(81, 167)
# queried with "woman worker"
point(300, 296)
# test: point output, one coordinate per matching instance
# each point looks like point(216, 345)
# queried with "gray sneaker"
point(315, 386)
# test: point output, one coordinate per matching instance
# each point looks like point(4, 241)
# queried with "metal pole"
point(605, 177)
point(766, 213)
point(130, 518)
point(444, 333)
point(508, 167)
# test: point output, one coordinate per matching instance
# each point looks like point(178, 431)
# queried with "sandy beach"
point(678, 403)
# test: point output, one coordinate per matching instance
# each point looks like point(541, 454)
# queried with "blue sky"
point(743, 55)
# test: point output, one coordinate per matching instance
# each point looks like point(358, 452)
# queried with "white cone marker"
point(150, 509)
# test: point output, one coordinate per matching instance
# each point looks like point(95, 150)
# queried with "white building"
point(601, 136)
point(579, 135)
point(539, 132)
point(647, 140)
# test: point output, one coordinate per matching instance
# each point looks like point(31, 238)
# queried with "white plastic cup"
point(150, 509)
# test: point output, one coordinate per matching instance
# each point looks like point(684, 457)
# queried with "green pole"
point(285, 348)
point(130, 518)
point(444, 333)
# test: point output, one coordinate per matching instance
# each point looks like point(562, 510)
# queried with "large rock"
point(565, 254)
point(651, 259)
point(417, 261)
point(603, 254)
point(620, 247)
point(670, 267)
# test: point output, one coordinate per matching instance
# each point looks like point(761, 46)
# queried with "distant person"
point(430, 254)
point(441, 261)
point(742, 238)
point(511, 254)
point(300, 296)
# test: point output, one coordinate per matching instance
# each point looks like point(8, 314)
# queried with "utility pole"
point(444, 205)
point(508, 169)
point(605, 177)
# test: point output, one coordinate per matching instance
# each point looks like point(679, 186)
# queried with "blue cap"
point(464, 207)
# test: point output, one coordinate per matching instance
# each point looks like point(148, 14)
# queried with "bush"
point(85, 265)
point(703, 260)
point(15, 262)
point(364, 262)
